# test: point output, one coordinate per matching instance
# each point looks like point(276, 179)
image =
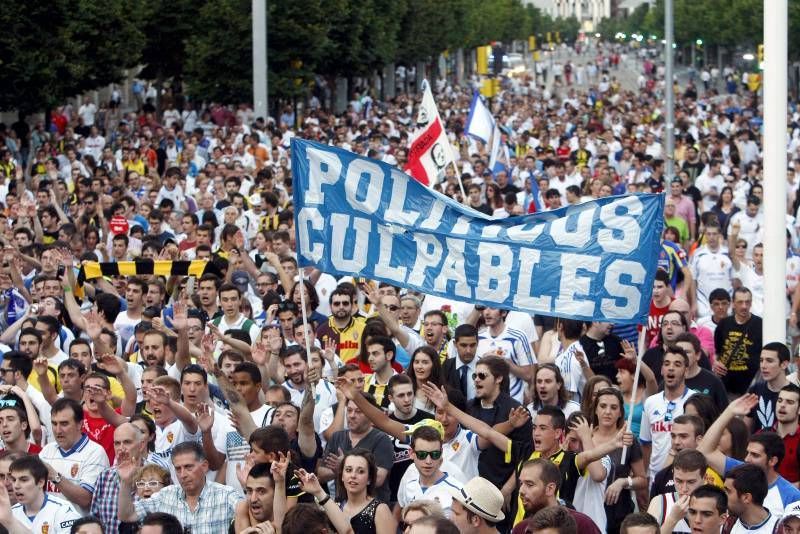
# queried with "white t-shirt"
point(515, 346)
point(590, 495)
point(411, 489)
point(711, 270)
point(81, 464)
point(657, 417)
point(462, 452)
point(55, 517)
point(571, 371)
point(755, 283)
point(124, 324)
point(87, 113)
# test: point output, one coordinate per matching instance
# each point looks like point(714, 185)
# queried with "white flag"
point(429, 151)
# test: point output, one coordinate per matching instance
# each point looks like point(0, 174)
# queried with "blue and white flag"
point(360, 217)
point(481, 125)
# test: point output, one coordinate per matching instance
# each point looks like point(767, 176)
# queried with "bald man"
point(129, 442)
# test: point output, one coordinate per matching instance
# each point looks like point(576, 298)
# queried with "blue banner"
point(361, 217)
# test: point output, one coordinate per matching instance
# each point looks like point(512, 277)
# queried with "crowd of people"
point(259, 397)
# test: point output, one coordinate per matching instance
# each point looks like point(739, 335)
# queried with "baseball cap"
point(241, 280)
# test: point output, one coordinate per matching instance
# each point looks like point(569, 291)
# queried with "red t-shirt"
point(790, 466)
point(32, 449)
point(101, 432)
point(654, 321)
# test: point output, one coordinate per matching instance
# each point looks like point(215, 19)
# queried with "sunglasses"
point(482, 376)
point(422, 455)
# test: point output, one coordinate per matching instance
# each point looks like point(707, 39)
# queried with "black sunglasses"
point(482, 376)
point(422, 455)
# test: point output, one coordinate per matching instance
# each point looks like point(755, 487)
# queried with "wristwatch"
point(57, 479)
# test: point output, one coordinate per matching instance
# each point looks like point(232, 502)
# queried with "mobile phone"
point(60, 271)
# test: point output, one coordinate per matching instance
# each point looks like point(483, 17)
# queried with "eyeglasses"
point(338, 304)
point(4, 370)
point(482, 376)
point(671, 323)
point(149, 484)
point(422, 455)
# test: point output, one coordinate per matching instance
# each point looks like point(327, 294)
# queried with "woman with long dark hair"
point(724, 209)
point(425, 368)
point(607, 415)
point(355, 490)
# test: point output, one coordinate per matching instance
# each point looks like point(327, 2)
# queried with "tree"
point(169, 23)
point(50, 51)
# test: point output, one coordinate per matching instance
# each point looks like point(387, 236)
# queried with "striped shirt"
point(513, 345)
point(216, 507)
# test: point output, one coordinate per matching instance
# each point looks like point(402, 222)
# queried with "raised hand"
point(111, 363)
point(126, 467)
point(40, 365)
point(180, 316)
point(519, 416)
point(274, 344)
point(205, 417)
point(208, 343)
point(279, 468)
point(347, 388)
point(309, 482)
point(259, 353)
point(93, 324)
point(243, 469)
point(313, 377)
point(628, 350)
point(437, 396)
point(329, 350)
point(159, 396)
point(744, 404)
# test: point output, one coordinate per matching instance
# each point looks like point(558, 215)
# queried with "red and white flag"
point(430, 151)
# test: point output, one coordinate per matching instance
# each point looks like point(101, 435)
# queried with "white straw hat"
point(481, 497)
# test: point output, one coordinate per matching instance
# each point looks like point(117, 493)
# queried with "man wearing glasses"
point(661, 409)
point(426, 479)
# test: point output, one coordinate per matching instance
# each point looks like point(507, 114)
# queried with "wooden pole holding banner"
point(303, 309)
point(639, 354)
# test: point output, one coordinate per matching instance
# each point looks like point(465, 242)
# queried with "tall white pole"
point(260, 107)
point(669, 97)
point(775, 109)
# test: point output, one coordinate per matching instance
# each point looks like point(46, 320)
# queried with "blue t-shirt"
point(781, 492)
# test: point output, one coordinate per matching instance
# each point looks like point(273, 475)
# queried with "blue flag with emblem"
point(360, 217)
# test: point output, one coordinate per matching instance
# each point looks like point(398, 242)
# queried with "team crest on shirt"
point(456, 446)
point(45, 527)
point(170, 437)
point(73, 471)
point(355, 336)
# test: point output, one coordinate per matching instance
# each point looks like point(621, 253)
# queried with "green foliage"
point(53, 50)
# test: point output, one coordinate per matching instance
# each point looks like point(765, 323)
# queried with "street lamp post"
point(669, 123)
point(260, 87)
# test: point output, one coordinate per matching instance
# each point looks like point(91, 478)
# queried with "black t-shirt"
point(603, 354)
point(654, 357)
point(763, 413)
point(483, 208)
point(709, 384)
point(492, 463)
point(738, 348)
point(402, 452)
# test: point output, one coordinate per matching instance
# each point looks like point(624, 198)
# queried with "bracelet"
point(630, 482)
point(67, 289)
point(324, 501)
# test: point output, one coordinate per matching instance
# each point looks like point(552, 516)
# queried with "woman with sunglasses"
point(607, 416)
